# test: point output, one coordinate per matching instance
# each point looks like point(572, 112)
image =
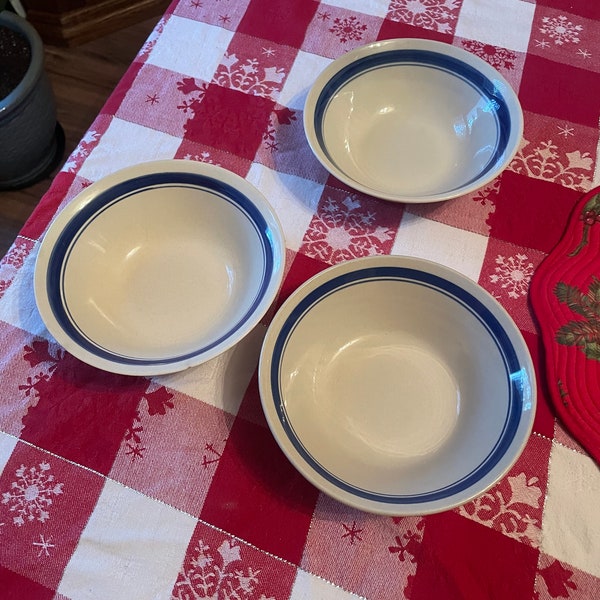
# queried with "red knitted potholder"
point(565, 296)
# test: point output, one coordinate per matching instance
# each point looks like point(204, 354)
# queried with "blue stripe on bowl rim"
point(430, 59)
point(513, 370)
point(69, 236)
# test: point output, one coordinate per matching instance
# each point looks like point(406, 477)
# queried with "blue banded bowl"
point(413, 120)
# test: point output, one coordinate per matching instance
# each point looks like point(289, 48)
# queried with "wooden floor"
point(82, 78)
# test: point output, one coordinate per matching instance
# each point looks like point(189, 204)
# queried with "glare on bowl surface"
point(397, 386)
point(159, 267)
point(413, 120)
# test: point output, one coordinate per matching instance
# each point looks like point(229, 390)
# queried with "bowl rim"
point(523, 392)
point(503, 95)
point(62, 235)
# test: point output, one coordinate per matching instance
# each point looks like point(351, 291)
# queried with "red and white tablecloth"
point(116, 487)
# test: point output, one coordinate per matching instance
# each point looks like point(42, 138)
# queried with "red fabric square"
point(591, 10)
point(348, 225)
point(45, 503)
point(281, 22)
point(229, 120)
point(522, 200)
point(398, 29)
point(282, 502)
point(335, 31)
point(18, 587)
point(559, 90)
point(189, 150)
point(72, 394)
point(461, 559)
point(544, 414)
point(215, 564)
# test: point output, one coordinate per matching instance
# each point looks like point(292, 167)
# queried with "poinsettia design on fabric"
point(573, 169)
point(557, 580)
point(189, 87)
point(560, 30)
point(217, 575)
point(513, 274)
point(158, 402)
point(437, 15)
point(249, 76)
point(31, 494)
point(512, 507)
point(281, 116)
point(348, 28)
point(500, 58)
point(344, 230)
point(43, 362)
point(406, 546)
point(13, 261)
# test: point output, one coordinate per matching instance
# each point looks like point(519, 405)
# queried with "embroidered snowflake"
point(212, 575)
point(348, 28)
point(513, 274)
point(436, 15)
point(31, 494)
point(513, 509)
point(342, 231)
point(572, 170)
point(249, 76)
point(561, 30)
point(501, 58)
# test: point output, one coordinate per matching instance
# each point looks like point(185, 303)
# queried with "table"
point(118, 487)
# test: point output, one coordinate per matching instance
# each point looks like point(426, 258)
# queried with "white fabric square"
point(222, 381)
point(311, 587)
point(294, 199)
point(7, 445)
point(571, 529)
point(302, 75)
point(124, 144)
point(200, 65)
point(461, 250)
point(377, 8)
point(132, 547)
point(506, 24)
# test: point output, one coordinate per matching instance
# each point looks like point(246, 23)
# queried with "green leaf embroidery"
point(583, 334)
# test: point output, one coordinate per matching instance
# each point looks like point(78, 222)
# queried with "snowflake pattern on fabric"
point(561, 30)
point(572, 170)
point(348, 29)
point(512, 509)
point(344, 230)
point(437, 15)
point(500, 58)
point(216, 577)
point(513, 274)
point(31, 494)
point(249, 76)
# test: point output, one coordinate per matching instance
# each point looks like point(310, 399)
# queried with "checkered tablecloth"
point(124, 488)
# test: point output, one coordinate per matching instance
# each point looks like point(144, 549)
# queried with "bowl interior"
point(163, 272)
point(405, 123)
point(394, 387)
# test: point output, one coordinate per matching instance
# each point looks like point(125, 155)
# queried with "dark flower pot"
point(31, 140)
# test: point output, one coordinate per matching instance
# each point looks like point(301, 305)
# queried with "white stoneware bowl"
point(397, 385)
point(159, 267)
point(413, 120)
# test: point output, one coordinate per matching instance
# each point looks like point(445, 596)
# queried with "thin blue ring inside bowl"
point(66, 241)
point(424, 58)
point(514, 371)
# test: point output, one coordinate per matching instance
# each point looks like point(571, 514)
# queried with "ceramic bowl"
point(397, 386)
point(159, 267)
point(413, 120)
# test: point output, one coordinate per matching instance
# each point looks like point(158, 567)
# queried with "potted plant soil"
point(31, 139)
